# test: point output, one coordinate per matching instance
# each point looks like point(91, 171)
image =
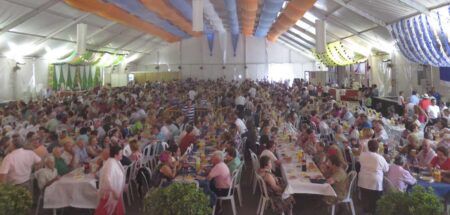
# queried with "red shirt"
point(424, 104)
point(444, 166)
point(187, 140)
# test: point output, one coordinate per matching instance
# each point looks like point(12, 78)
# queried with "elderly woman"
point(399, 176)
point(219, 175)
point(441, 161)
point(370, 180)
point(275, 186)
point(112, 185)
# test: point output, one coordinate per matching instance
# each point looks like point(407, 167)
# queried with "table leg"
point(54, 211)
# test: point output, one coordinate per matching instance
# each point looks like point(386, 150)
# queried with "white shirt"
point(45, 175)
point(112, 178)
point(18, 164)
point(240, 100)
point(240, 125)
point(373, 167)
point(192, 94)
point(400, 100)
point(326, 88)
point(433, 111)
point(425, 158)
point(252, 92)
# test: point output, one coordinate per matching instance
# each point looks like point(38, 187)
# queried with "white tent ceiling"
point(52, 23)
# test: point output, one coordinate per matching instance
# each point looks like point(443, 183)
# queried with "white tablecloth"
point(297, 181)
point(73, 190)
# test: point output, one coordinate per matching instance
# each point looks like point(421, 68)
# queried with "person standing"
point(112, 185)
point(414, 98)
point(433, 111)
point(370, 180)
point(17, 166)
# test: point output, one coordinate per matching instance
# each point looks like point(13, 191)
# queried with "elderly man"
point(219, 175)
point(17, 166)
point(61, 166)
point(48, 174)
point(426, 154)
point(380, 132)
point(80, 151)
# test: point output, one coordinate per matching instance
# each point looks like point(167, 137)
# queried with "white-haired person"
point(47, 175)
point(219, 175)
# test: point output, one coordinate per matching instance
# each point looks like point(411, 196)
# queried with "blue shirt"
point(414, 99)
point(81, 154)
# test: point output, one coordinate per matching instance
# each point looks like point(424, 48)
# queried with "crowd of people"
point(51, 137)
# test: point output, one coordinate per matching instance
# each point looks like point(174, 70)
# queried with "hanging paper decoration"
point(166, 11)
point(424, 39)
point(211, 15)
point(232, 16)
point(103, 59)
point(248, 11)
point(268, 15)
point(293, 12)
point(337, 55)
point(52, 77)
point(210, 38)
point(234, 41)
point(116, 14)
point(136, 8)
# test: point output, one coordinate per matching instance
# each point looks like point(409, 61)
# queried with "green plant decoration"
point(15, 200)
point(418, 202)
point(177, 199)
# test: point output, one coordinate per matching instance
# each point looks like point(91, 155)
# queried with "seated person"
point(270, 152)
point(219, 175)
point(425, 155)
point(320, 156)
point(399, 176)
point(233, 161)
point(80, 153)
point(167, 169)
point(60, 163)
point(337, 179)
point(93, 149)
point(135, 152)
point(441, 161)
point(48, 174)
point(275, 187)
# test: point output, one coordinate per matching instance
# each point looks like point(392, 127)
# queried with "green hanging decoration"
point(61, 82)
point(77, 80)
point(85, 80)
point(52, 77)
point(69, 79)
point(90, 81)
point(97, 77)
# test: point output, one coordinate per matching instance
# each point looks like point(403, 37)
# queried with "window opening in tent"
point(281, 72)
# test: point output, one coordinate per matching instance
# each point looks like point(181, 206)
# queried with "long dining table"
point(298, 181)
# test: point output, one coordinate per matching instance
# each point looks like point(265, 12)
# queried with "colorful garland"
point(422, 42)
point(337, 55)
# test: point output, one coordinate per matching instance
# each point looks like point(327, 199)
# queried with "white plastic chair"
point(237, 184)
point(255, 165)
point(230, 195)
point(348, 197)
point(265, 198)
point(165, 146)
